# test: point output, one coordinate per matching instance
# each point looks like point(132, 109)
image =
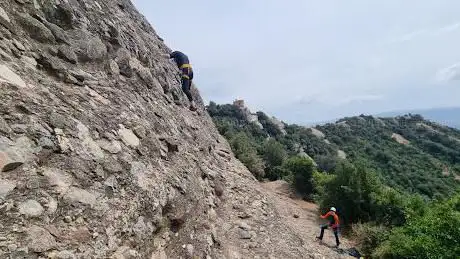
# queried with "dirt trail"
point(303, 218)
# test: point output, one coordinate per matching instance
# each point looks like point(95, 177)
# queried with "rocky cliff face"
point(253, 117)
point(100, 156)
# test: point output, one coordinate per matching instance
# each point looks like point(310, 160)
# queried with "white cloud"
point(361, 98)
point(409, 36)
point(449, 73)
point(426, 32)
point(349, 99)
point(450, 27)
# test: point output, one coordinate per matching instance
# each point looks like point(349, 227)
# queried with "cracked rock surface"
point(100, 156)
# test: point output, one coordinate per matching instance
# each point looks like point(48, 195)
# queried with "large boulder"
point(5, 20)
point(7, 75)
point(40, 240)
point(31, 208)
point(92, 49)
point(6, 187)
point(52, 64)
point(128, 137)
point(35, 28)
point(123, 61)
point(58, 32)
point(67, 54)
point(14, 154)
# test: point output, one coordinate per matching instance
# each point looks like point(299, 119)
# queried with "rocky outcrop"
point(254, 118)
point(248, 115)
point(379, 121)
point(10, 77)
point(279, 124)
point(400, 139)
point(100, 156)
point(317, 133)
point(341, 154)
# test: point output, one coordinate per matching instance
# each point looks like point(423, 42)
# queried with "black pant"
point(336, 233)
point(187, 77)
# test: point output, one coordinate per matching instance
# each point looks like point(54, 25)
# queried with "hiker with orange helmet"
point(333, 223)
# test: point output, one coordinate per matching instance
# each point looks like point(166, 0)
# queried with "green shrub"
point(277, 173)
point(274, 153)
point(246, 152)
point(326, 163)
point(369, 236)
point(432, 235)
point(352, 191)
point(254, 164)
point(415, 206)
point(320, 180)
point(389, 207)
point(302, 171)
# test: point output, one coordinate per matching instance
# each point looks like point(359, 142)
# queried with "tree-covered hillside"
point(394, 181)
point(408, 152)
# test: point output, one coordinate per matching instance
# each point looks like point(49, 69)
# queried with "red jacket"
point(333, 219)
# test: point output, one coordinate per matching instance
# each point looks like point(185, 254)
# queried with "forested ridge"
point(394, 180)
point(427, 163)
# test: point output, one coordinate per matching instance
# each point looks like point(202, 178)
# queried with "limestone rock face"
point(31, 208)
point(39, 239)
point(6, 75)
point(35, 28)
point(100, 156)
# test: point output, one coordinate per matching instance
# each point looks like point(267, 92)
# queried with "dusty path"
point(303, 218)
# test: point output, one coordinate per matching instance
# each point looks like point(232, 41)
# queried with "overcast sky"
point(304, 60)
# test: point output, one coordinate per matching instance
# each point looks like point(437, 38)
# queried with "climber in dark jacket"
point(183, 63)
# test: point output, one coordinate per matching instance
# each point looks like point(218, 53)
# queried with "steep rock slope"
point(99, 155)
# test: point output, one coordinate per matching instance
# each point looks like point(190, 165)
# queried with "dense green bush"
point(435, 234)
point(320, 180)
point(369, 236)
point(274, 153)
point(302, 170)
point(246, 151)
point(361, 198)
point(326, 163)
point(279, 173)
point(254, 164)
point(352, 192)
point(388, 206)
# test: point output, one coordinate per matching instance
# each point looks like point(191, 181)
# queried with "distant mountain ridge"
point(446, 116)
